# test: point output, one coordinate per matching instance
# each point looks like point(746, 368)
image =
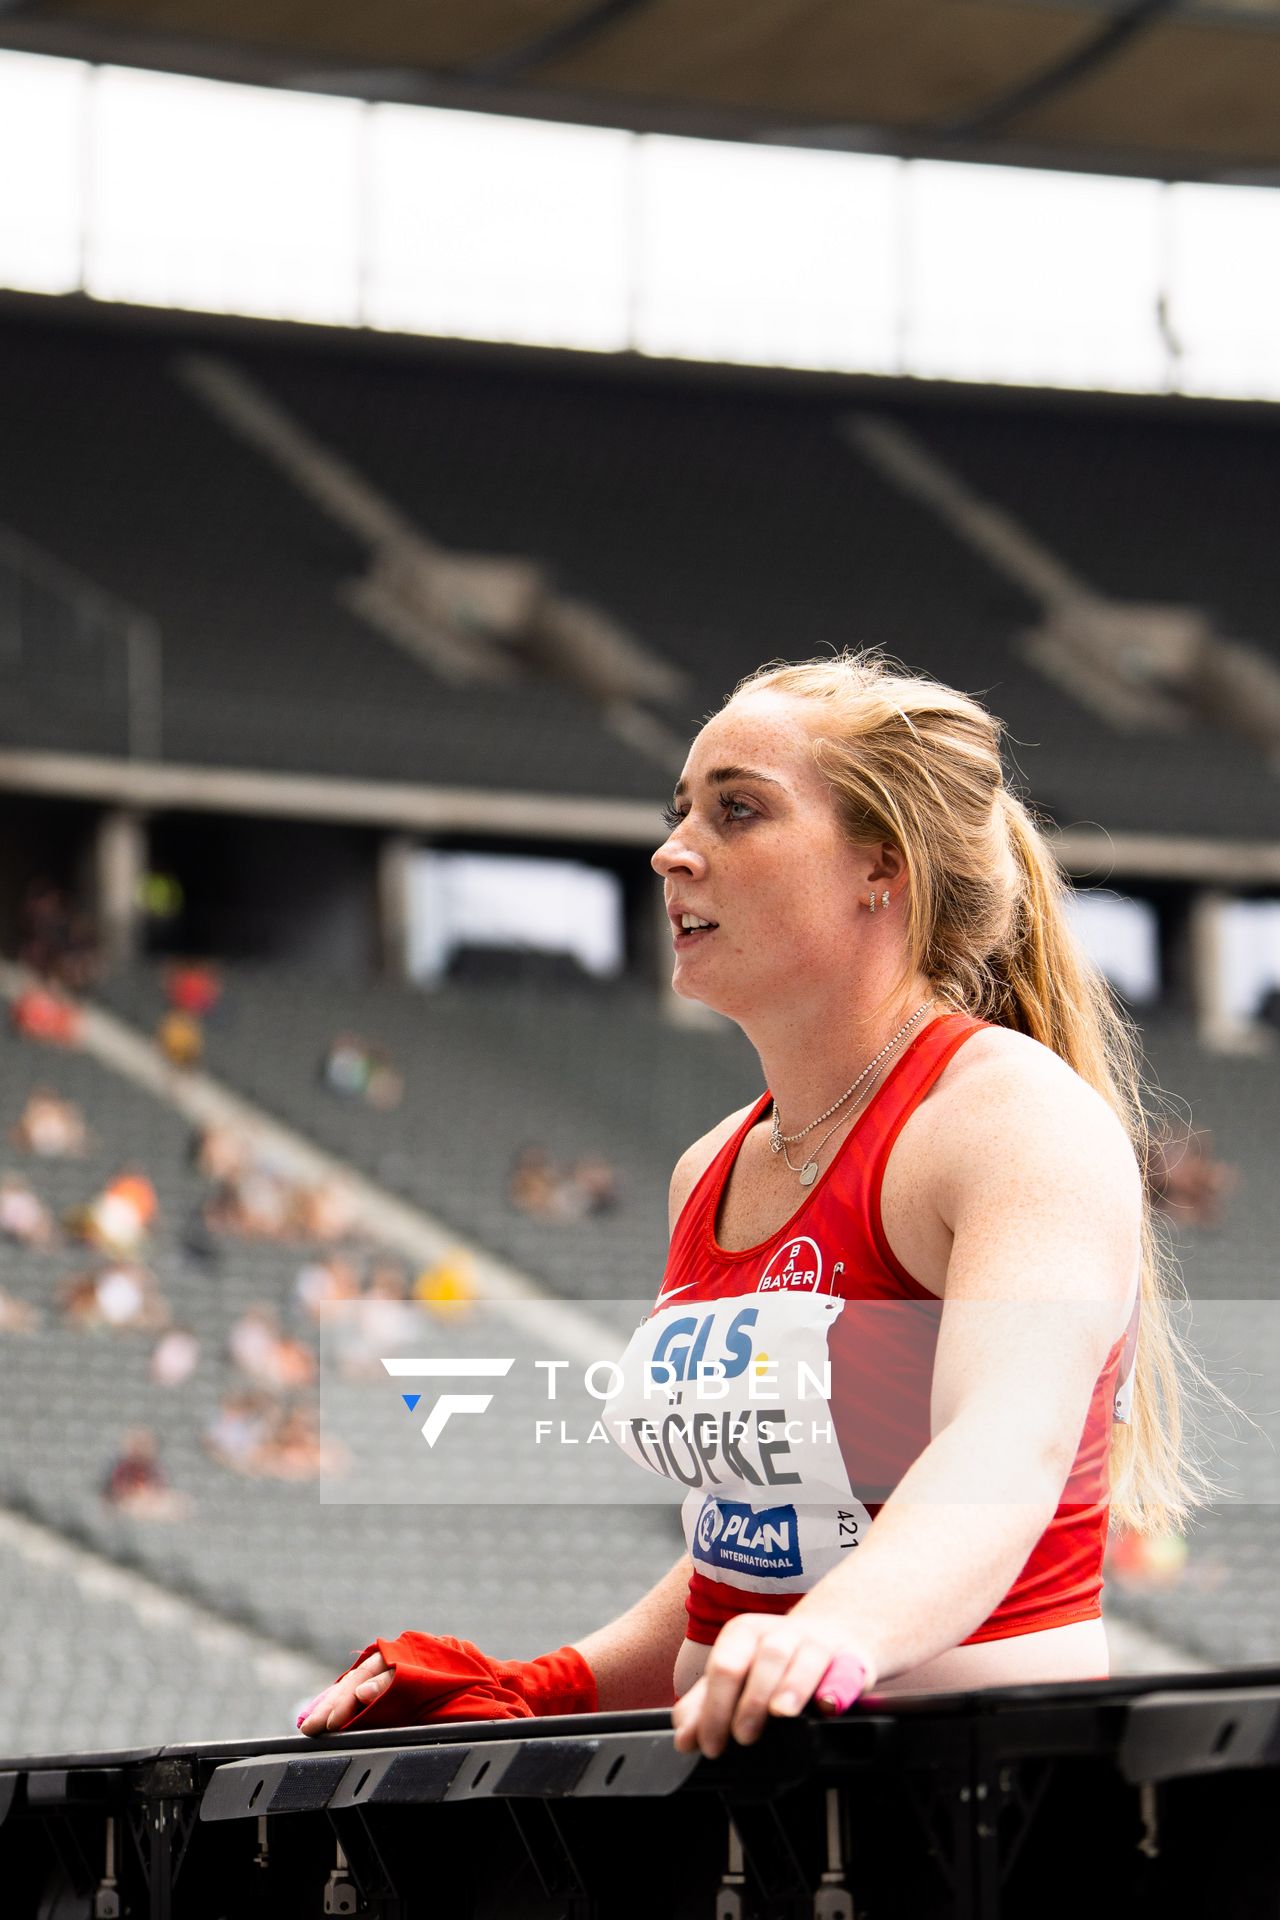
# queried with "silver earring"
point(872, 901)
point(884, 898)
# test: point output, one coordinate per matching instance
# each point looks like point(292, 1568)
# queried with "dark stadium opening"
point(244, 889)
point(43, 843)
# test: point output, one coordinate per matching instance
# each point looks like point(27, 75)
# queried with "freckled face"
point(756, 850)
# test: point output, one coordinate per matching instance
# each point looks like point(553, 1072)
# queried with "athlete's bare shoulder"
point(1002, 1063)
point(695, 1160)
point(1022, 1100)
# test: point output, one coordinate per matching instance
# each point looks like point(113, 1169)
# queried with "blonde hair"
point(915, 762)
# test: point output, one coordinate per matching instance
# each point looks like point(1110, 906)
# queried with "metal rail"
point(45, 604)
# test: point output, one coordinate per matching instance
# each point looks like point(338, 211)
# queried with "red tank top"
point(760, 1554)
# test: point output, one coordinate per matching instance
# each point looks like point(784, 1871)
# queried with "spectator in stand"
point(24, 1218)
point(324, 1212)
point(260, 1202)
point(237, 1432)
point(193, 987)
point(343, 1067)
point(50, 1127)
point(385, 1087)
point(355, 1070)
point(180, 1039)
point(387, 1281)
point(255, 1203)
point(321, 1282)
point(222, 1152)
point(545, 1191)
point(595, 1181)
point(44, 927)
point(386, 1311)
point(119, 1297)
point(174, 1357)
point(252, 1197)
point(55, 939)
point(533, 1186)
point(18, 1316)
point(119, 1219)
point(449, 1284)
point(1185, 1181)
point(370, 1327)
point(294, 1449)
point(259, 1347)
point(137, 1483)
point(251, 1343)
point(40, 1013)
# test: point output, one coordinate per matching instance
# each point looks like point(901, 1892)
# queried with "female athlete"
point(952, 1132)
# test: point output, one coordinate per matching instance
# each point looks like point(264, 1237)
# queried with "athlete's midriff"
point(761, 1553)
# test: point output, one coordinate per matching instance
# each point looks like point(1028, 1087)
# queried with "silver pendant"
point(808, 1173)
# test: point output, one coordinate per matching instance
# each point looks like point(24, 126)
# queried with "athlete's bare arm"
point(1042, 1198)
point(634, 1657)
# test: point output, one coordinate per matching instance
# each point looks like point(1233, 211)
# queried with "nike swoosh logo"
point(664, 1297)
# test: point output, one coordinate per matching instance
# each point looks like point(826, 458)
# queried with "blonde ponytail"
point(1060, 999)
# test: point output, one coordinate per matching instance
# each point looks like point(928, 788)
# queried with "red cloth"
point(439, 1678)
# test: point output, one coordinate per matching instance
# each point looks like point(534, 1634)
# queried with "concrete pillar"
point(395, 854)
point(119, 868)
point(1214, 1026)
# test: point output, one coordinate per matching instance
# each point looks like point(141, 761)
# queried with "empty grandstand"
point(721, 526)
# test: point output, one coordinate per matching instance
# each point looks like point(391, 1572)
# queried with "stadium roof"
point(1162, 87)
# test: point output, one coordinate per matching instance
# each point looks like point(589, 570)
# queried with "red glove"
point(435, 1677)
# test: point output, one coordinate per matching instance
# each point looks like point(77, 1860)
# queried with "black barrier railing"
point(1156, 1797)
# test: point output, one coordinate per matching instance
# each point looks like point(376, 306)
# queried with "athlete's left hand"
point(766, 1663)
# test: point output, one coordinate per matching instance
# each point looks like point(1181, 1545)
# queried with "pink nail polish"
point(842, 1683)
point(308, 1710)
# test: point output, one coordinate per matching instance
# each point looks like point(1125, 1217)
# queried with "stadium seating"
point(148, 496)
point(487, 1072)
point(731, 527)
point(316, 1577)
point(723, 525)
point(1226, 1604)
point(89, 1660)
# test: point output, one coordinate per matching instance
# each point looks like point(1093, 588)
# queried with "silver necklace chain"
point(808, 1169)
point(780, 1141)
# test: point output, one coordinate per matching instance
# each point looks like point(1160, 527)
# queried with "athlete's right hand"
point(331, 1710)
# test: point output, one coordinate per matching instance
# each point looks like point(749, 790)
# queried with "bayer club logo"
point(710, 1526)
